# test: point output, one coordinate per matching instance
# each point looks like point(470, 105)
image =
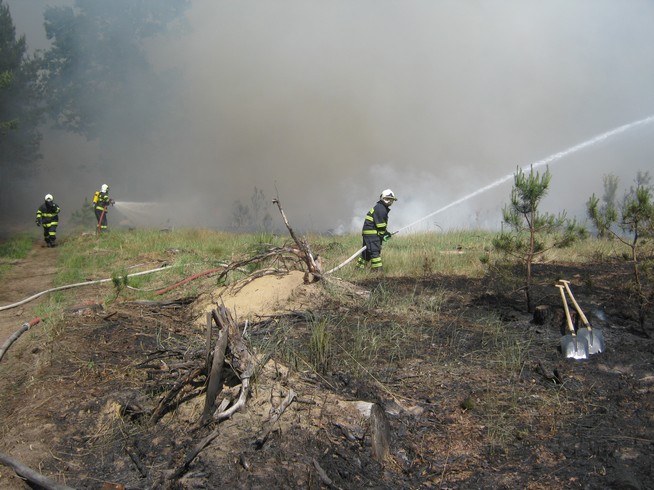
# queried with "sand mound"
point(263, 296)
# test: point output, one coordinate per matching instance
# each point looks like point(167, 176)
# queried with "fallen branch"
point(163, 404)
point(181, 469)
point(322, 474)
point(276, 414)
point(137, 461)
point(240, 403)
point(30, 475)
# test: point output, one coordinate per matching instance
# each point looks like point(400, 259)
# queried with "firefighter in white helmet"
point(375, 231)
point(101, 201)
point(47, 216)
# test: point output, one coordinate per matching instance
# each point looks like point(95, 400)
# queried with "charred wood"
point(164, 405)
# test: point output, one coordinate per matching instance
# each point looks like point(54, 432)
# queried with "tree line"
point(95, 77)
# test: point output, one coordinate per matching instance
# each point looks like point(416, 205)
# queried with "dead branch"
point(276, 414)
point(208, 339)
point(31, 475)
point(162, 407)
point(322, 474)
point(181, 469)
point(137, 461)
point(255, 275)
point(240, 403)
point(242, 361)
point(239, 265)
point(302, 245)
point(215, 382)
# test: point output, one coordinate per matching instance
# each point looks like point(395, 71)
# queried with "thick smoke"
point(324, 104)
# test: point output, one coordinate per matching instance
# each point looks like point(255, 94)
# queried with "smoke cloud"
point(325, 104)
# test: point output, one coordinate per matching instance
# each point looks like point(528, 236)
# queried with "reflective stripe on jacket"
point(103, 201)
point(376, 220)
point(48, 214)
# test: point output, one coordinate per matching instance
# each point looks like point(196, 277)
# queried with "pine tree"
point(531, 232)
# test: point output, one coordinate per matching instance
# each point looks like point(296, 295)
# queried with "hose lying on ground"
point(24, 328)
point(354, 256)
point(69, 286)
point(31, 475)
point(27, 325)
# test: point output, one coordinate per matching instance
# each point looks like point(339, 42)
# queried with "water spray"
point(550, 159)
point(139, 213)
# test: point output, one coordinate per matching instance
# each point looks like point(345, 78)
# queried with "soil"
point(78, 392)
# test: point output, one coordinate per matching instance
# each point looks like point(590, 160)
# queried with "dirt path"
point(27, 277)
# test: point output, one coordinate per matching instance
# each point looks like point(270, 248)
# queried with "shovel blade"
point(574, 347)
point(594, 339)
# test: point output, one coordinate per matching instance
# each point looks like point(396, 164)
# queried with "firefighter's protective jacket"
point(48, 214)
point(376, 220)
point(103, 201)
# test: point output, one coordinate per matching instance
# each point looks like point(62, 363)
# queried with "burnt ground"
point(475, 394)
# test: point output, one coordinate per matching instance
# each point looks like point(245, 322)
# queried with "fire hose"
point(24, 328)
point(27, 325)
point(76, 285)
point(354, 255)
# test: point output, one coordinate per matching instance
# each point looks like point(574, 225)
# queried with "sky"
point(325, 104)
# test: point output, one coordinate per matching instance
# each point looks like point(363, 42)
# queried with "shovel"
point(594, 338)
point(571, 345)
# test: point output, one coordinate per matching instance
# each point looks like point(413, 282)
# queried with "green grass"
point(191, 251)
point(15, 248)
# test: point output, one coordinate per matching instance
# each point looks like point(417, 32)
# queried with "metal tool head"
point(594, 339)
point(574, 347)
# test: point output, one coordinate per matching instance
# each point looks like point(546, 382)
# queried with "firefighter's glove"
point(38, 223)
point(387, 236)
point(112, 202)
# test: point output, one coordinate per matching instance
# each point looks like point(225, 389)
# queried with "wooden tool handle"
point(567, 311)
point(574, 302)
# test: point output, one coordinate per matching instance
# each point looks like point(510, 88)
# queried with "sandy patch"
point(264, 296)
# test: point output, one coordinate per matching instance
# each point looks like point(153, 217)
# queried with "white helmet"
point(48, 197)
point(388, 197)
point(104, 188)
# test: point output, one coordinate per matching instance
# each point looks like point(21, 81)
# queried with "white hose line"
point(69, 286)
point(354, 256)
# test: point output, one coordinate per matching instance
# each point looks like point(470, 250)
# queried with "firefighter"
point(47, 216)
point(375, 232)
point(102, 201)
